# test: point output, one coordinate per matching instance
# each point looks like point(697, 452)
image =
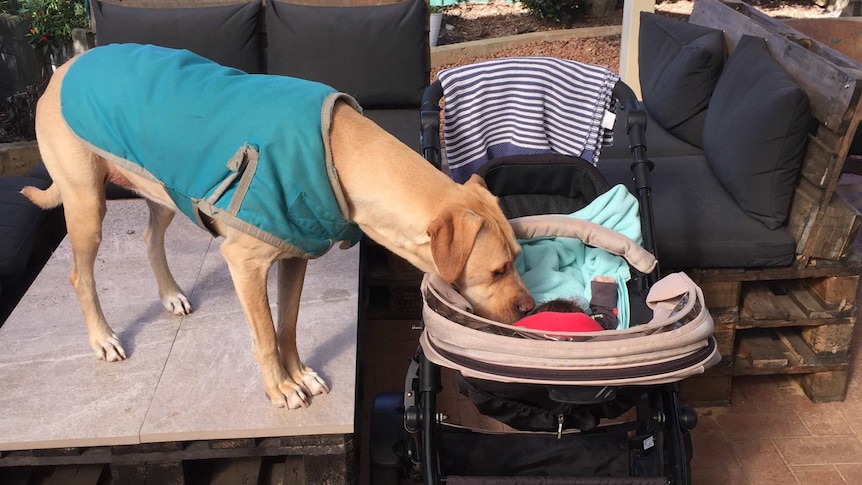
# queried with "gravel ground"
point(475, 21)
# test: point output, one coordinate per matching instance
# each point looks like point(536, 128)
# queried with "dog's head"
point(474, 249)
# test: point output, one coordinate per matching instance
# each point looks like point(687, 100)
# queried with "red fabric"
point(560, 322)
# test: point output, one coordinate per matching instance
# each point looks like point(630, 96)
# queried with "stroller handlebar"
point(429, 119)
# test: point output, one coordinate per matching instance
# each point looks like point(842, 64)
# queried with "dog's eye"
point(500, 272)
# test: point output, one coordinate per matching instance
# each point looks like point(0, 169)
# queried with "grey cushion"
point(659, 141)
point(377, 54)
point(227, 34)
point(20, 223)
point(698, 224)
point(679, 65)
point(756, 131)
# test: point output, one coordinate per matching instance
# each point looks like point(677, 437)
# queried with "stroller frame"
point(406, 427)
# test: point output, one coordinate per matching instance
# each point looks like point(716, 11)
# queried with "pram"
point(554, 390)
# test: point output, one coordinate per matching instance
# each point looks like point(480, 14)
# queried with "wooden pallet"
point(390, 284)
point(781, 321)
point(326, 459)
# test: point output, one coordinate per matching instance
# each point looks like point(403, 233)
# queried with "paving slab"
point(186, 378)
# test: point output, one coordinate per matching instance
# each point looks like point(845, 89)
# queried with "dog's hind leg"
point(79, 176)
point(84, 222)
point(249, 261)
point(291, 275)
point(172, 297)
point(84, 209)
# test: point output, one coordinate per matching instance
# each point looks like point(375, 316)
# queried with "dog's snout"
point(526, 304)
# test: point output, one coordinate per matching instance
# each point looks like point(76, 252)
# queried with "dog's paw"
point(313, 383)
point(109, 349)
point(177, 304)
point(288, 395)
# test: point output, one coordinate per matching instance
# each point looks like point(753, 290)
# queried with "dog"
point(387, 191)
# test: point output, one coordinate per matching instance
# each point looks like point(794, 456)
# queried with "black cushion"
point(227, 34)
point(698, 224)
point(403, 124)
point(20, 223)
point(756, 131)
point(378, 54)
point(679, 65)
point(659, 142)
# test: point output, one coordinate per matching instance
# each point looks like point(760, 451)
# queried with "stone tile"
point(211, 387)
point(818, 475)
point(851, 472)
point(711, 448)
point(824, 419)
point(762, 463)
point(759, 425)
point(712, 475)
point(56, 394)
point(126, 285)
point(853, 416)
point(820, 450)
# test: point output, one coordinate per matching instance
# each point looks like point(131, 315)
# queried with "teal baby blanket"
point(562, 267)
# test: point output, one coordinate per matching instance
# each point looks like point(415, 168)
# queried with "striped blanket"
point(524, 106)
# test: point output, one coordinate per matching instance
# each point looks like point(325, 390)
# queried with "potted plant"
point(49, 25)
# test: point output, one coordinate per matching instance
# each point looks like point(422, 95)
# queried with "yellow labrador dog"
point(382, 187)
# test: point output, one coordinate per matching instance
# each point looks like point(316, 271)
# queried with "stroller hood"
point(676, 343)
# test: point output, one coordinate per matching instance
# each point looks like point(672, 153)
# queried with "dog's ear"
point(476, 180)
point(453, 234)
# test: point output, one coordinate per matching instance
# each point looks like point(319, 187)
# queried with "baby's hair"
point(560, 306)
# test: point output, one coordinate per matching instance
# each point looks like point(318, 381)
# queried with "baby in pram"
point(564, 315)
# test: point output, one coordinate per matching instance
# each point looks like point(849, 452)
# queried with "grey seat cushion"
point(756, 131)
point(659, 141)
point(20, 223)
point(401, 123)
point(378, 54)
point(698, 224)
point(227, 34)
point(680, 64)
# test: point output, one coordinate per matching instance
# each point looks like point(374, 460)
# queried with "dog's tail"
point(46, 199)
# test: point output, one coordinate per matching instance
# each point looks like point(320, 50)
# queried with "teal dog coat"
point(249, 150)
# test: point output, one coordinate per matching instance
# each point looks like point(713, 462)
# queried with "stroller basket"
point(675, 344)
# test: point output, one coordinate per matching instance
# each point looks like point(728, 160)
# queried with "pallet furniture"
point(799, 319)
point(191, 389)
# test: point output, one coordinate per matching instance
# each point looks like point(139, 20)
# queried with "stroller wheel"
point(388, 437)
point(687, 418)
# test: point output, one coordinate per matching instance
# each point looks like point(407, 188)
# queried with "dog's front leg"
point(291, 275)
point(249, 261)
point(171, 295)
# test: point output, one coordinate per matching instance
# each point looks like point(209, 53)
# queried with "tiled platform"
point(187, 378)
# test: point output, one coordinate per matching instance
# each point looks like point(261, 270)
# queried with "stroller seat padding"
point(590, 233)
